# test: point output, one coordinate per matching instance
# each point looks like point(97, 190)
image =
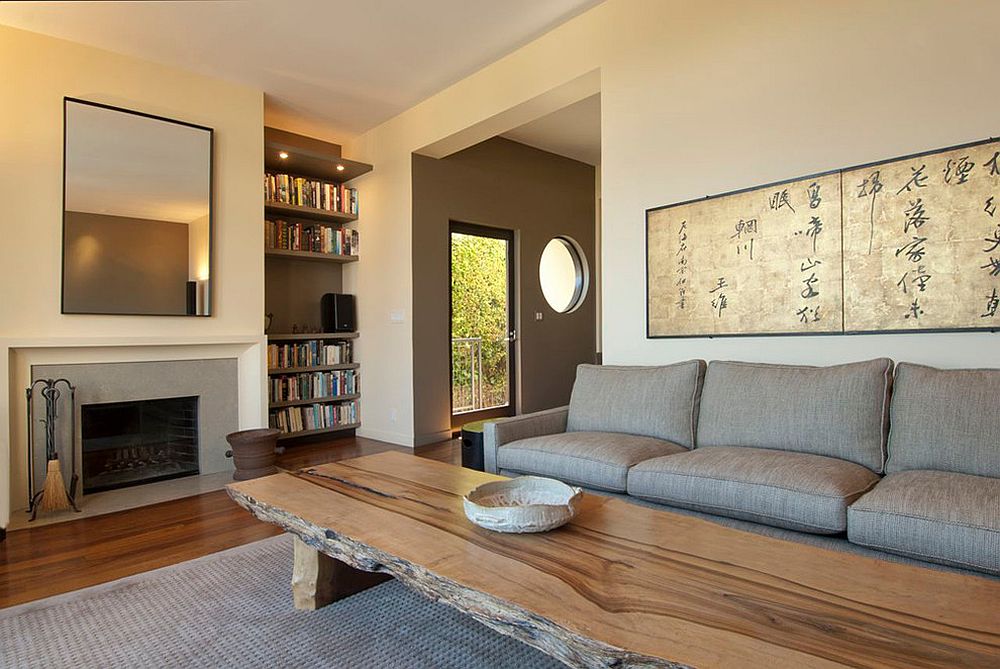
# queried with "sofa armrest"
point(506, 430)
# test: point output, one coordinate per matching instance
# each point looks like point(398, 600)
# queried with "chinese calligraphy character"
point(991, 207)
point(871, 187)
point(994, 241)
point(915, 214)
point(815, 227)
point(992, 166)
point(744, 226)
point(921, 279)
point(992, 303)
point(814, 198)
point(914, 250)
point(720, 284)
point(780, 199)
point(809, 264)
point(720, 303)
point(805, 312)
point(810, 291)
point(917, 180)
point(915, 310)
point(993, 266)
point(958, 170)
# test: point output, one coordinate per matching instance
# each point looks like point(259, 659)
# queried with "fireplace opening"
point(130, 443)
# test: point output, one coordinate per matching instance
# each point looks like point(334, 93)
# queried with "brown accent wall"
point(294, 289)
point(121, 265)
point(539, 195)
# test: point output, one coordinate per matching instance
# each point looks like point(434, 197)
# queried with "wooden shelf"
point(309, 255)
point(314, 400)
point(323, 430)
point(310, 157)
point(303, 336)
point(311, 213)
point(273, 371)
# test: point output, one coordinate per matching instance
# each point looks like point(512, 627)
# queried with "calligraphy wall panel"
point(922, 242)
point(760, 261)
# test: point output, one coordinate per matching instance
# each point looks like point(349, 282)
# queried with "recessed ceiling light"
point(340, 168)
point(283, 155)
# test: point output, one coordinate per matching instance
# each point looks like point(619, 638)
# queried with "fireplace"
point(130, 443)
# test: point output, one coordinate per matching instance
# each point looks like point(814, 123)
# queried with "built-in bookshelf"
point(314, 384)
point(310, 236)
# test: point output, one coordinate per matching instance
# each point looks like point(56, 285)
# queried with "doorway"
point(482, 323)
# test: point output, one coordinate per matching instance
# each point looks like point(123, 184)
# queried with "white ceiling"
point(573, 131)
point(336, 66)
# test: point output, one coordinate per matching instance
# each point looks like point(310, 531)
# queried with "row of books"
point(314, 417)
point(316, 238)
point(314, 385)
point(309, 354)
point(286, 189)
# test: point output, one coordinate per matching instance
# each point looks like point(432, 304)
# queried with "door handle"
point(512, 336)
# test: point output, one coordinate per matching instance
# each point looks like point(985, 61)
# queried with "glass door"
point(482, 323)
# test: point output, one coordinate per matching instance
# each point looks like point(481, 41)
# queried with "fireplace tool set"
point(54, 495)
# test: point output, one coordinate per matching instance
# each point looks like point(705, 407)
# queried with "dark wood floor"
point(53, 559)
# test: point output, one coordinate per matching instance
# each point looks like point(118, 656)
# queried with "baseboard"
point(397, 438)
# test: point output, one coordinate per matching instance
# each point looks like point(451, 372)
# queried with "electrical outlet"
point(397, 316)
point(393, 415)
point(539, 315)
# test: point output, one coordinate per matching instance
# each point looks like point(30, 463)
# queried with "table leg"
point(318, 579)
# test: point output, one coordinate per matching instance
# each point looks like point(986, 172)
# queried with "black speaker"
point(338, 313)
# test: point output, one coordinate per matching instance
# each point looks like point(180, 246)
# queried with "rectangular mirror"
point(137, 213)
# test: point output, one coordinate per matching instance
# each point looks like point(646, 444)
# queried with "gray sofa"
point(800, 450)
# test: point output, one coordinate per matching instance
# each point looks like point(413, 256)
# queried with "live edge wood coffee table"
point(621, 585)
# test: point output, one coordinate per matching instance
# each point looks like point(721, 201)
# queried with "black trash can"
point(472, 445)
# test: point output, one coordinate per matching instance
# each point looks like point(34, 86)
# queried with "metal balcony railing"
point(470, 391)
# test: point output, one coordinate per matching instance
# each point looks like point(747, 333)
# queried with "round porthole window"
point(563, 274)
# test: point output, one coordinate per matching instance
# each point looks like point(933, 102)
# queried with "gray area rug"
point(234, 609)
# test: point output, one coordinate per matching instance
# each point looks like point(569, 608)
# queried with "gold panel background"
point(922, 242)
point(761, 261)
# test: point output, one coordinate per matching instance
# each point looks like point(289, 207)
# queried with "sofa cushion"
point(797, 491)
point(840, 412)
point(943, 517)
point(660, 402)
point(945, 419)
point(598, 460)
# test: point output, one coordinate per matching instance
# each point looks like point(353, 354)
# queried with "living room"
point(861, 116)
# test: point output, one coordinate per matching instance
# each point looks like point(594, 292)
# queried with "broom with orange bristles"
point(53, 495)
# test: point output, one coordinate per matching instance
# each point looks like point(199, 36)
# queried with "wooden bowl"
point(524, 504)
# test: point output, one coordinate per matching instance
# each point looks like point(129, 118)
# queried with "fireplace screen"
point(128, 443)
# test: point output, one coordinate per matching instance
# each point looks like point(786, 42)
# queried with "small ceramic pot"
point(253, 452)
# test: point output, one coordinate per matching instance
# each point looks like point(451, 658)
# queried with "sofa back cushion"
point(840, 411)
point(659, 402)
point(945, 420)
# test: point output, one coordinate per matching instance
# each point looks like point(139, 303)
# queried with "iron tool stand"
point(50, 393)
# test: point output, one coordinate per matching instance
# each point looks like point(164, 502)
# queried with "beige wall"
point(700, 98)
point(121, 264)
point(35, 73)
point(538, 195)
